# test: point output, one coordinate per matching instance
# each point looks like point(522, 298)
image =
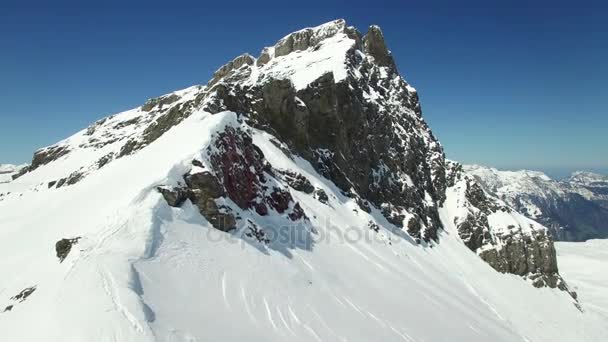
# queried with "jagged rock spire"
point(374, 45)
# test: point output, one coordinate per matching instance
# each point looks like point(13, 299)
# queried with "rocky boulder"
point(64, 246)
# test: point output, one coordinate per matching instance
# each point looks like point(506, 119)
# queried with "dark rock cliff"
point(379, 149)
point(509, 246)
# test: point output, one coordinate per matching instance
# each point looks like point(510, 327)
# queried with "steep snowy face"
point(573, 209)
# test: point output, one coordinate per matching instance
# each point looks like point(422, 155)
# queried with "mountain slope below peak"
point(154, 273)
point(7, 171)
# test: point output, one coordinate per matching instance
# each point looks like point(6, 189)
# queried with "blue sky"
point(511, 84)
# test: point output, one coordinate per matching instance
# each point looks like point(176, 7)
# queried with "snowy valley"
point(298, 196)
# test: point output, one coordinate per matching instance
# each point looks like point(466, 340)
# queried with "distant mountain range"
point(574, 209)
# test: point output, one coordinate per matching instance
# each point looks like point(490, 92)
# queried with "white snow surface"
point(304, 67)
point(143, 271)
point(301, 67)
point(584, 264)
point(523, 188)
point(8, 170)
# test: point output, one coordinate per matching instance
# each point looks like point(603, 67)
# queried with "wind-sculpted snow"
point(298, 196)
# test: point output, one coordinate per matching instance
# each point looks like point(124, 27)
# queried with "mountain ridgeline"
point(295, 195)
point(351, 116)
point(574, 209)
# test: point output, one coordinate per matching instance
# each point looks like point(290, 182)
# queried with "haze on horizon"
point(512, 86)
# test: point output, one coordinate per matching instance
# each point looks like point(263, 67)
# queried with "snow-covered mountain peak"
point(573, 209)
point(522, 181)
point(281, 200)
point(588, 178)
point(518, 174)
point(308, 37)
point(305, 55)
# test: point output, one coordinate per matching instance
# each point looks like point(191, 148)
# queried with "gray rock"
point(264, 58)
point(159, 101)
point(296, 181)
point(64, 246)
point(303, 39)
point(202, 189)
point(374, 45)
point(175, 197)
point(235, 64)
point(23, 295)
point(321, 196)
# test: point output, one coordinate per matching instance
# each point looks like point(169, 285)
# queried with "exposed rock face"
point(264, 57)
point(235, 64)
point(205, 189)
point(506, 243)
point(380, 149)
point(239, 172)
point(247, 177)
point(47, 155)
point(171, 117)
point(20, 172)
point(64, 246)
point(202, 189)
point(309, 37)
point(159, 101)
point(22, 296)
point(296, 181)
point(373, 44)
point(43, 157)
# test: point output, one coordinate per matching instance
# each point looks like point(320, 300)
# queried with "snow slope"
point(575, 209)
point(8, 170)
point(585, 265)
point(145, 271)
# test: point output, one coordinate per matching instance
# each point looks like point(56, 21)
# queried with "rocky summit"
point(295, 195)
